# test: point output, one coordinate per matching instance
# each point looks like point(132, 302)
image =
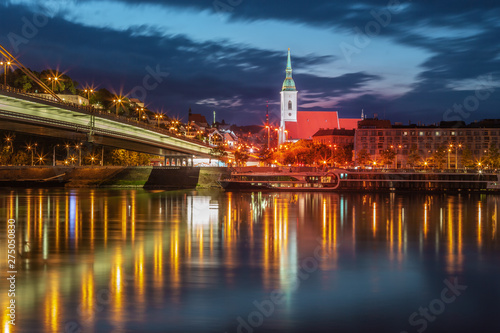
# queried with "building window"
point(421, 133)
point(289, 105)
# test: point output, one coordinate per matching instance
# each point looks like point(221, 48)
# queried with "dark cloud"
point(223, 72)
point(243, 78)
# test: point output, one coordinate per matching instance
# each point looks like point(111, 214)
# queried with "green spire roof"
point(289, 84)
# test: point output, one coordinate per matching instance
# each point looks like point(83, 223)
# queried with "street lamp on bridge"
point(139, 113)
point(5, 64)
point(53, 80)
point(158, 116)
point(89, 91)
point(118, 101)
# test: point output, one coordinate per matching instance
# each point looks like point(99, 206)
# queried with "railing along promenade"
point(427, 170)
point(90, 110)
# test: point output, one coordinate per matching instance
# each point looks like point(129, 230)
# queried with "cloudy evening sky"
point(413, 60)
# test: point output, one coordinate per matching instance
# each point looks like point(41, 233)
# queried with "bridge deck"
point(107, 129)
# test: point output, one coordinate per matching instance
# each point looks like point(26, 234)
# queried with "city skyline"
point(419, 62)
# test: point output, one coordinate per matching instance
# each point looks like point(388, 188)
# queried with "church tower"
point(288, 101)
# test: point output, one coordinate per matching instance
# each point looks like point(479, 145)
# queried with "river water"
point(190, 261)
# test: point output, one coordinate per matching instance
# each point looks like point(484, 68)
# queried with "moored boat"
point(364, 180)
point(281, 181)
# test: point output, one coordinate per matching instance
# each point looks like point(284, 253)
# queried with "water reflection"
point(174, 252)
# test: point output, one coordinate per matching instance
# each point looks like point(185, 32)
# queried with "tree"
point(492, 157)
point(343, 155)
point(413, 156)
point(388, 156)
point(467, 158)
point(266, 157)
point(439, 157)
point(218, 152)
point(63, 85)
point(363, 157)
point(119, 157)
point(103, 97)
point(241, 157)
point(20, 158)
point(5, 155)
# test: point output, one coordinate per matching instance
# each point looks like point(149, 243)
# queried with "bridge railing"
point(90, 110)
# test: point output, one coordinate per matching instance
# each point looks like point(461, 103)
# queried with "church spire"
point(289, 65)
point(267, 113)
point(289, 84)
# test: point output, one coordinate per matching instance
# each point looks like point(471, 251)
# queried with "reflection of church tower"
point(288, 100)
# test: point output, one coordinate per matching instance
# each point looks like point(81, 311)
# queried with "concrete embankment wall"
point(78, 176)
point(112, 176)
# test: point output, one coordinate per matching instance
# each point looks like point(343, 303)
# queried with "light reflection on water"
point(132, 260)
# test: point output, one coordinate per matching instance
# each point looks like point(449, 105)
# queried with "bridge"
point(30, 113)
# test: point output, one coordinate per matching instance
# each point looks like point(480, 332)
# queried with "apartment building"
point(335, 136)
point(378, 135)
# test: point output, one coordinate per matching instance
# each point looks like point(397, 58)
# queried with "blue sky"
point(408, 60)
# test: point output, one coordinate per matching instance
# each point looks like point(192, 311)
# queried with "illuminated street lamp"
point(117, 101)
point(449, 151)
point(53, 80)
point(92, 158)
point(139, 111)
point(79, 147)
point(32, 148)
point(5, 64)
point(456, 153)
point(40, 160)
point(88, 92)
point(159, 116)
point(54, 155)
point(10, 142)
